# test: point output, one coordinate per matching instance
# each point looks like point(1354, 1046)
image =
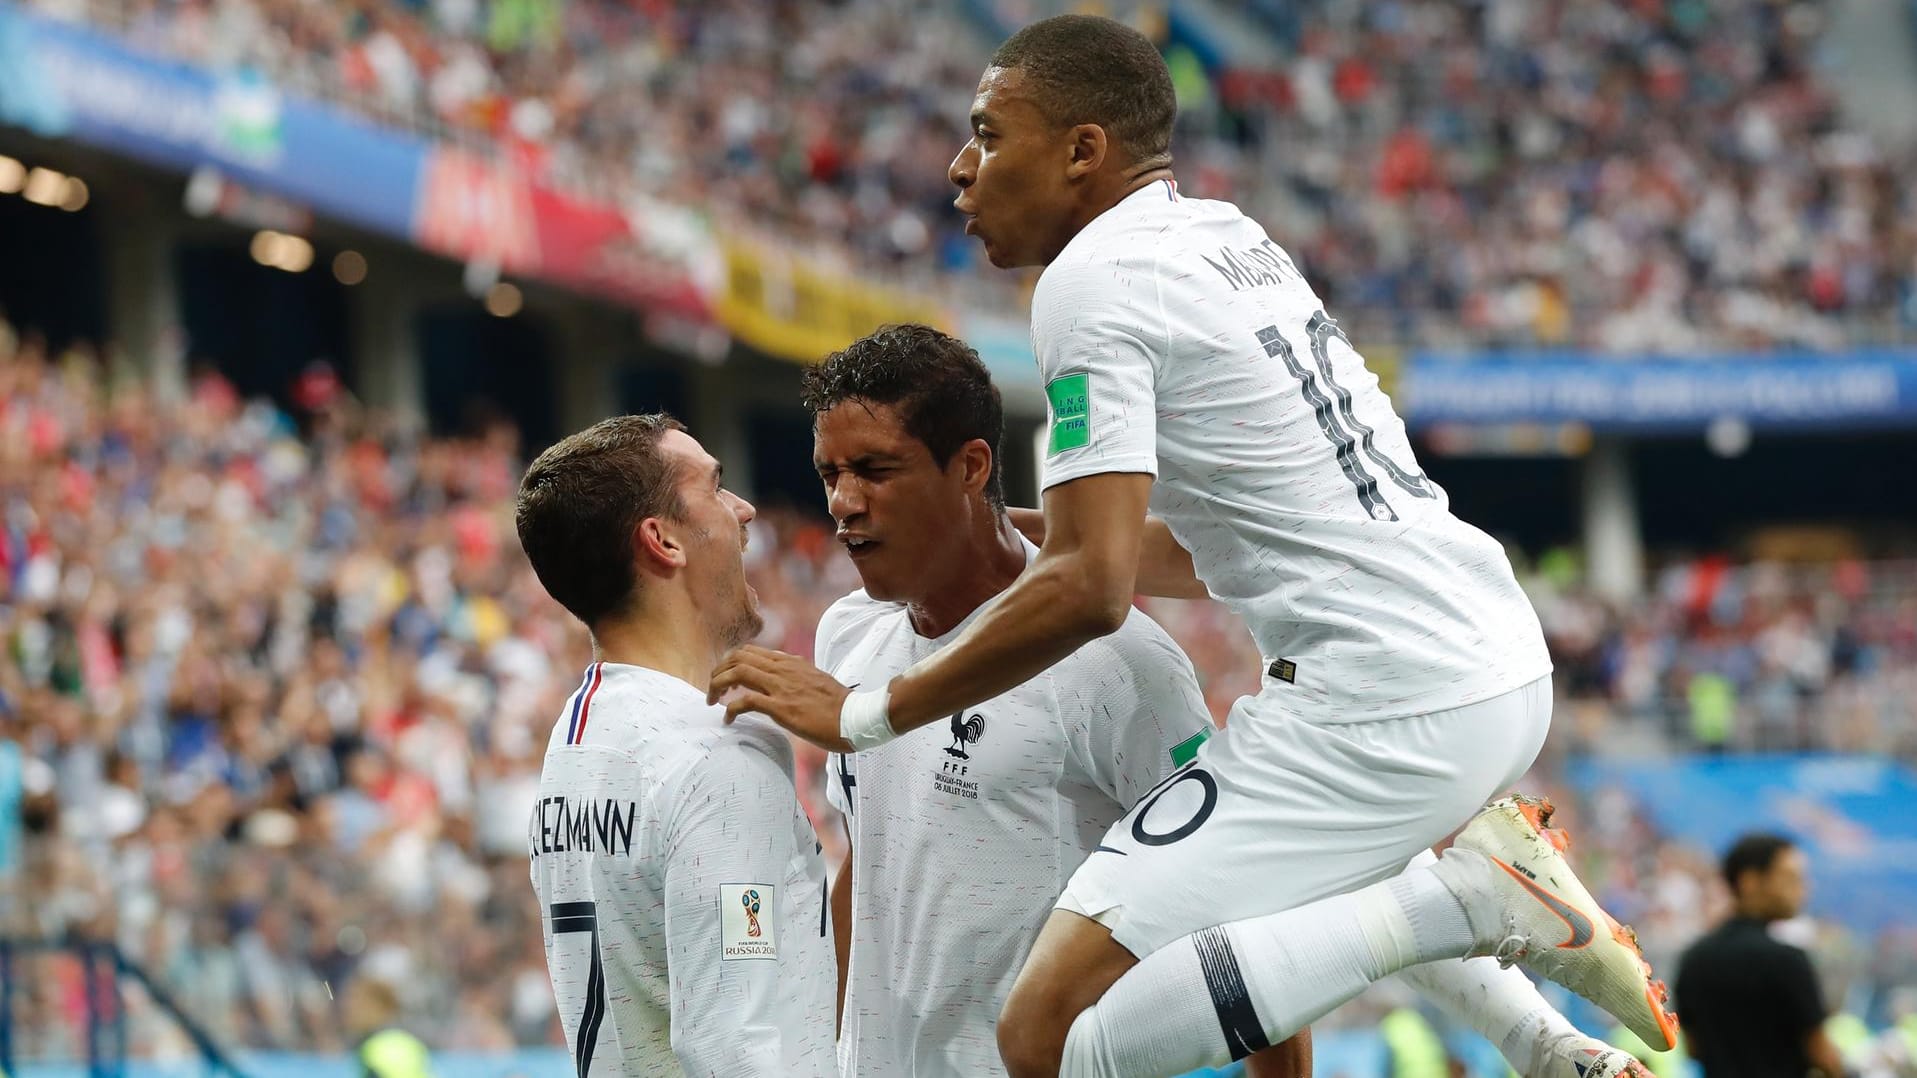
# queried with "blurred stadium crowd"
point(293, 662)
point(277, 687)
point(1667, 174)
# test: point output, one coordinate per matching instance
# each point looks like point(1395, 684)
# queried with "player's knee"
point(1031, 1039)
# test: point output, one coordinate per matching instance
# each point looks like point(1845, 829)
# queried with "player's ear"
point(1089, 145)
point(974, 463)
point(657, 545)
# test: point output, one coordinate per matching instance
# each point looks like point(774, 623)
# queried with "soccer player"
point(1191, 370)
point(963, 834)
point(681, 887)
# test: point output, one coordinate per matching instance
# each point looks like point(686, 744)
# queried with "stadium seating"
point(1670, 177)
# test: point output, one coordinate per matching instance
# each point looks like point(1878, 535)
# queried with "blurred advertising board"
point(1847, 390)
point(647, 254)
point(1855, 816)
point(66, 81)
point(795, 308)
point(478, 209)
point(69, 81)
point(475, 210)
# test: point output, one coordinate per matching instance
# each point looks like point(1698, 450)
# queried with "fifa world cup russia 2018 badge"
point(750, 900)
point(748, 928)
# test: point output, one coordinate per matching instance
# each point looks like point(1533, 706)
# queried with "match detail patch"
point(745, 921)
point(1070, 400)
point(1187, 750)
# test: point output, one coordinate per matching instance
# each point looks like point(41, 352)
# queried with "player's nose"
point(742, 509)
point(960, 172)
point(845, 500)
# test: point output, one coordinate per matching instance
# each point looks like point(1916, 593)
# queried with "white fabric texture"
point(1279, 812)
point(964, 831)
point(1177, 340)
point(681, 888)
point(1265, 979)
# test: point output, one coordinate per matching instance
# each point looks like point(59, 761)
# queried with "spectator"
point(1751, 1003)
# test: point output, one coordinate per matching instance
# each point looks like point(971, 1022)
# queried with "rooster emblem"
point(751, 902)
point(965, 732)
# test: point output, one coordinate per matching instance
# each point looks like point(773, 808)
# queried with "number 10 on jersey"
point(1331, 405)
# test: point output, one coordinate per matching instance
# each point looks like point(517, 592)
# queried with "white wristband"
point(862, 719)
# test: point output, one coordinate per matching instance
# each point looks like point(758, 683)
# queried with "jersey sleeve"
point(1097, 329)
point(730, 843)
point(825, 651)
point(838, 632)
point(1133, 710)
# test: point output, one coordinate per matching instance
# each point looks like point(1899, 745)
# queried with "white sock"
point(1264, 979)
point(1501, 1004)
point(1436, 916)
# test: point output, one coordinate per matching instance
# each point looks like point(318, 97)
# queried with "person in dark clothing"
point(1750, 1003)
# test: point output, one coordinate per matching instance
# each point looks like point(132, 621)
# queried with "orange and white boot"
point(1527, 907)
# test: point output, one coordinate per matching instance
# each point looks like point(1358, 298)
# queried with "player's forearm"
point(1164, 567)
point(1058, 604)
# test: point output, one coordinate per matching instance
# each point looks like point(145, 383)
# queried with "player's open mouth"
point(858, 545)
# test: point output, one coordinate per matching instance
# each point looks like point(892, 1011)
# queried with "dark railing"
point(103, 968)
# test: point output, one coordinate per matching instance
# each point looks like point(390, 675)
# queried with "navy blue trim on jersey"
point(578, 695)
point(582, 705)
point(1237, 1018)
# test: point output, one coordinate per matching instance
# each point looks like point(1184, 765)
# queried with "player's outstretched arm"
point(1164, 567)
point(1077, 589)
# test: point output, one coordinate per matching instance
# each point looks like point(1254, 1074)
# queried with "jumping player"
point(681, 889)
point(1191, 370)
point(963, 834)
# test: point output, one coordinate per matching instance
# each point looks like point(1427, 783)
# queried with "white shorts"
point(1276, 812)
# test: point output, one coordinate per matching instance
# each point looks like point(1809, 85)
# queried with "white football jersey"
point(965, 831)
point(1176, 339)
point(680, 886)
